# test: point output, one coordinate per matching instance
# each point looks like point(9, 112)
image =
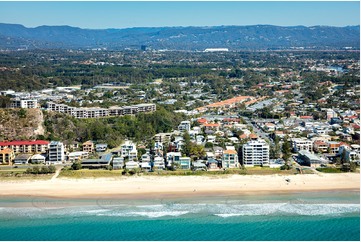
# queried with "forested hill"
point(256, 37)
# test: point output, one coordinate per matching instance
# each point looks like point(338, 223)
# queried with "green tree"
point(286, 152)
point(196, 151)
point(187, 144)
point(76, 165)
point(52, 169)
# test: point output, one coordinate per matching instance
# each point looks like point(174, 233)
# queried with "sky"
point(121, 14)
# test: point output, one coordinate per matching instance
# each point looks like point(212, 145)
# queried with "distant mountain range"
point(255, 37)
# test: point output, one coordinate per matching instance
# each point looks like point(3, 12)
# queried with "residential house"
point(173, 157)
point(320, 146)
point(269, 127)
point(212, 164)
point(131, 164)
point(101, 147)
point(37, 159)
point(334, 147)
point(184, 162)
point(199, 166)
point(22, 159)
point(218, 151)
point(145, 166)
point(88, 146)
point(158, 163)
point(118, 163)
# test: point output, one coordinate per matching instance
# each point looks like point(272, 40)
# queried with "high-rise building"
point(56, 152)
point(255, 152)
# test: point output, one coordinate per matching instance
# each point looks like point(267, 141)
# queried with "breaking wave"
point(224, 210)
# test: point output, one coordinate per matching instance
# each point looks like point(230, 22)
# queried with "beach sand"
point(144, 186)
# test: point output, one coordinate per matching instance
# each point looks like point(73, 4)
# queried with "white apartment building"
point(301, 144)
point(100, 112)
point(230, 159)
point(185, 126)
point(23, 103)
point(255, 152)
point(173, 157)
point(129, 149)
point(56, 152)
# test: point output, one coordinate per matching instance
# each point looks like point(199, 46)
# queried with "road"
point(258, 131)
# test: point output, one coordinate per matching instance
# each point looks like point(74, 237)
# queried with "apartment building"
point(129, 149)
point(230, 159)
point(56, 152)
point(7, 156)
point(32, 146)
point(255, 152)
point(301, 144)
point(184, 126)
point(23, 103)
point(100, 112)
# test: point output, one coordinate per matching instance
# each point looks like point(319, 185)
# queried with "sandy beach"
point(180, 185)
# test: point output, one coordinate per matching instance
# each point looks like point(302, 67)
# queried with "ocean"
point(330, 216)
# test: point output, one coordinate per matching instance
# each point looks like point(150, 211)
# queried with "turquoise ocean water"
point(298, 216)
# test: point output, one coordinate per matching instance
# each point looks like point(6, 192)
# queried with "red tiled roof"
point(230, 152)
point(306, 117)
point(202, 120)
point(243, 136)
point(24, 142)
point(6, 151)
point(211, 125)
point(253, 136)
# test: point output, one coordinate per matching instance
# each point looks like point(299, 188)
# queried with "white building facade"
point(56, 152)
point(255, 152)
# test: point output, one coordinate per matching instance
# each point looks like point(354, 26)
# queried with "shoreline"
point(180, 186)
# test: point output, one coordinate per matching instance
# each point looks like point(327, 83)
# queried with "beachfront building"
point(102, 162)
point(77, 155)
point(56, 152)
point(334, 146)
point(129, 150)
point(22, 159)
point(173, 157)
point(230, 159)
point(25, 146)
point(158, 163)
point(131, 164)
point(309, 159)
point(299, 144)
point(184, 163)
point(255, 152)
point(118, 163)
point(37, 159)
point(7, 156)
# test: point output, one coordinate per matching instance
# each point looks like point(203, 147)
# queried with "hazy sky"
point(99, 15)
